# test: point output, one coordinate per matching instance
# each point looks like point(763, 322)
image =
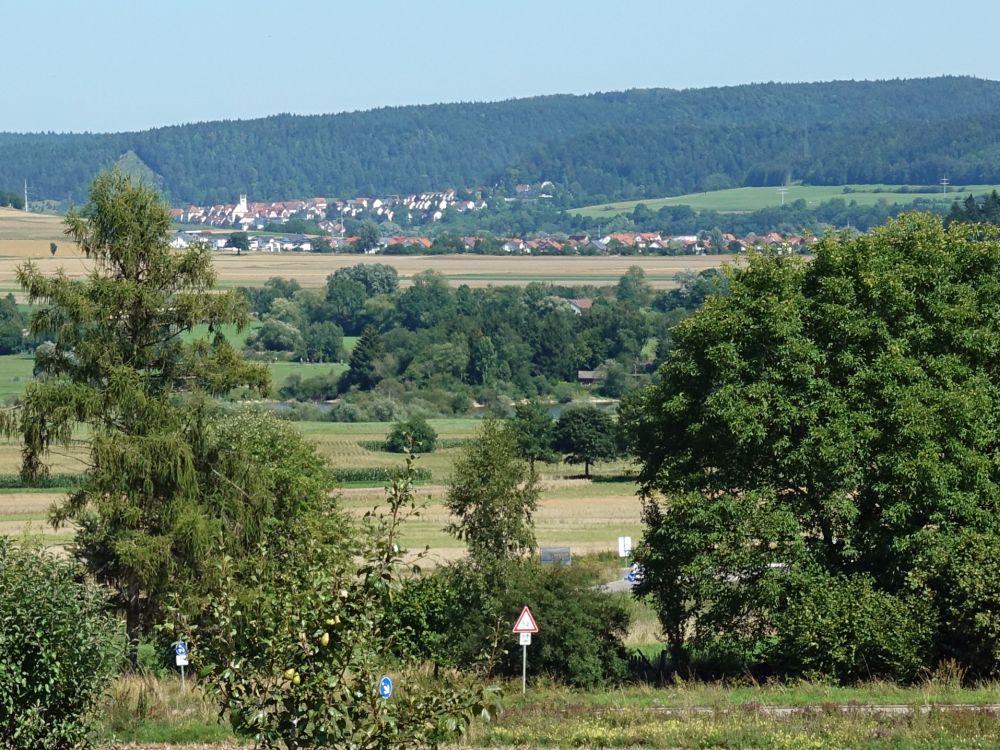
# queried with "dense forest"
point(631, 144)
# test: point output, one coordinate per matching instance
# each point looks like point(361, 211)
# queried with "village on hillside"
point(330, 216)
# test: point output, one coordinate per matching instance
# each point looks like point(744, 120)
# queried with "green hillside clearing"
point(746, 199)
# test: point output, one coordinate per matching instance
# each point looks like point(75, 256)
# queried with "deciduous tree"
point(295, 659)
point(585, 434)
point(842, 413)
point(369, 236)
point(492, 495)
point(533, 429)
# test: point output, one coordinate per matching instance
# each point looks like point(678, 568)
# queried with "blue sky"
point(112, 65)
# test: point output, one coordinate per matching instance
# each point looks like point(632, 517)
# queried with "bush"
point(343, 411)
point(384, 409)
point(380, 474)
point(60, 650)
point(453, 616)
point(412, 435)
point(580, 630)
point(52, 481)
point(564, 393)
point(961, 575)
point(319, 387)
point(842, 627)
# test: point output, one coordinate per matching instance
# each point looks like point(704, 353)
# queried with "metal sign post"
point(181, 652)
point(524, 627)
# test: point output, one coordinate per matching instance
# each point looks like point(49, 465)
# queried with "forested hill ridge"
point(598, 147)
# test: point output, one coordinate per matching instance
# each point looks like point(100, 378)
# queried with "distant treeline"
point(971, 210)
point(599, 147)
point(523, 219)
point(11, 199)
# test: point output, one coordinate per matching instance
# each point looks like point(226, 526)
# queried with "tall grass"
point(145, 708)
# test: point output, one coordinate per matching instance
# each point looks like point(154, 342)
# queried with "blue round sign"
point(385, 687)
point(181, 648)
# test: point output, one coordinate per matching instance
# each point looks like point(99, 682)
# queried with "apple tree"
point(295, 655)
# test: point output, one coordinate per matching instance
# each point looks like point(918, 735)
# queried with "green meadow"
point(15, 372)
point(16, 369)
point(745, 199)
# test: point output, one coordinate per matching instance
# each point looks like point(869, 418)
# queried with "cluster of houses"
point(328, 214)
point(619, 243)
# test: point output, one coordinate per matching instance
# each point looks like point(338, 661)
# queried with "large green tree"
point(377, 278)
point(533, 426)
point(832, 424)
point(369, 237)
point(125, 379)
point(585, 434)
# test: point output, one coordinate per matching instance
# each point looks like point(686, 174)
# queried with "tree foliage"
point(60, 650)
point(834, 417)
point(363, 371)
point(586, 435)
point(460, 615)
point(369, 237)
point(12, 199)
point(533, 429)
point(493, 494)
point(377, 278)
point(973, 211)
point(294, 657)
point(894, 132)
point(415, 435)
point(121, 366)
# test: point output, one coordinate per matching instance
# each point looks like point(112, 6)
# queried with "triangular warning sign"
point(525, 623)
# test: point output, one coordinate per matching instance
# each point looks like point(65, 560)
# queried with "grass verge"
point(150, 710)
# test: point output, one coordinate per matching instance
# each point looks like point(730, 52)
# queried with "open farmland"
point(15, 372)
point(27, 236)
point(311, 270)
point(583, 515)
point(474, 270)
point(745, 199)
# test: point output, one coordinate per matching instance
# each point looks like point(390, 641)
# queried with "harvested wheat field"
point(585, 516)
point(26, 235)
point(28, 512)
point(474, 270)
point(19, 225)
point(61, 460)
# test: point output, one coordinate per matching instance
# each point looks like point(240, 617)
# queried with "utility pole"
point(944, 184)
point(781, 192)
point(26, 196)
